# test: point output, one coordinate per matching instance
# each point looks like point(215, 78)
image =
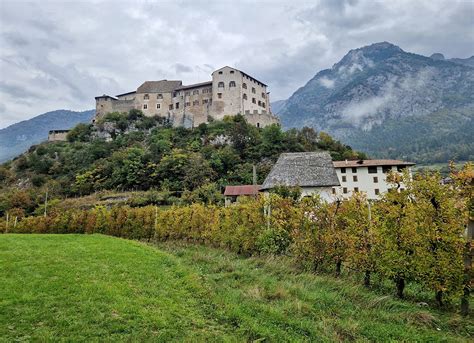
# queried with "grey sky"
point(60, 54)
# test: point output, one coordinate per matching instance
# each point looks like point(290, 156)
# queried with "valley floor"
point(93, 287)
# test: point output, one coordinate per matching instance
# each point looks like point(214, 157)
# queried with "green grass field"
point(92, 287)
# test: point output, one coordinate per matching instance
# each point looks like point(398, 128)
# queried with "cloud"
point(62, 54)
point(325, 82)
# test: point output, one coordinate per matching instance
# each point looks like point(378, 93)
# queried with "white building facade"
point(367, 176)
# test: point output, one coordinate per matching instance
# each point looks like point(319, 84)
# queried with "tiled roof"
point(242, 190)
point(163, 86)
point(196, 85)
point(303, 169)
point(371, 163)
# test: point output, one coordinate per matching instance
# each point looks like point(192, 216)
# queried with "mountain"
point(391, 103)
point(18, 137)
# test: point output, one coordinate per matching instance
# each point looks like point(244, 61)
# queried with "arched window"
point(244, 85)
point(220, 84)
point(231, 84)
point(146, 97)
point(244, 96)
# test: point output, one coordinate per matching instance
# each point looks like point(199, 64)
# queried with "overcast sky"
point(60, 54)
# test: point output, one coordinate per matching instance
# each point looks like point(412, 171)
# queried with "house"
point(233, 193)
point(312, 172)
point(230, 92)
point(368, 176)
point(57, 135)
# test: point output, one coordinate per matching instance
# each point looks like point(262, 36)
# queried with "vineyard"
point(412, 235)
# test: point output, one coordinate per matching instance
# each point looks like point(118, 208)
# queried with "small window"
point(205, 101)
point(258, 124)
point(206, 90)
point(187, 93)
point(372, 170)
point(244, 85)
point(344, 178)
point(231, 84)
point(196, 91)
point(158, 106)
point(177, 105)
point(145, 106)
point(333, 190)
point(354, 170)
point(344, 190)
point(386, 169)
point(171, 106)
point(220, 73)
point(377, 192)
point(244, 96)
point(343, 170)
point(195, 102)
point(254, 101)
point(220, 84)
point(263, 105)
point(253, 90)
point(263, 95)
point(219, 95)
point(187, 104)
point(146, 97)
point(159, 96)
point(356, 189)
point(231, 71)
point(259, 103)
point(376, 179)
point(354, 178)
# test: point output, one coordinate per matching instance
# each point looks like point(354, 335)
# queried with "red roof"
point(242, 190)
point(367, 163)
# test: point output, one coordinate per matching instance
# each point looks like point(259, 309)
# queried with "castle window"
point(354, 170)
point(177, 105)
point(196, 91)
point(376, 179)
point(187, 104)
point(343, 170)
point(231, 71)
point(344, 179)
point(206, 90)
point(354, 178)
point(220, 73)
point(254, 101)
point(146, 97)
point(372, 170)
point(263, 95)
point(244, 85)
point(220, 84)
point(158, 106)
point(219, 95)
point(344, 190)
point(376, 191)
point(259, 103)
point(263, 104)
point(145, 106)
point(195, 102)
point(356, 189)
point(232, 84)
point(205, 101)
point(244, 96)
point(159, 96)
point(253, 90)
point(171, 106)
point(258, 124)
point(187, 93)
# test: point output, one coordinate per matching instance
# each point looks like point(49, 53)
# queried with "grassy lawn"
point(92, 287)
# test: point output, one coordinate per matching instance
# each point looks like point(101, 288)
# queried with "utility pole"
point(46, 204)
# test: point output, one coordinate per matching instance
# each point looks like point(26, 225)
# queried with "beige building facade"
point(230, 92)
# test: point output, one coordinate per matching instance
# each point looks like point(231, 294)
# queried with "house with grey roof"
point(312, 172)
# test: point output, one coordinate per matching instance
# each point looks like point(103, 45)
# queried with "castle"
point(230, 92)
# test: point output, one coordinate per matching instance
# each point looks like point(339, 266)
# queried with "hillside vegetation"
point(127, 291)
point(128, 151)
